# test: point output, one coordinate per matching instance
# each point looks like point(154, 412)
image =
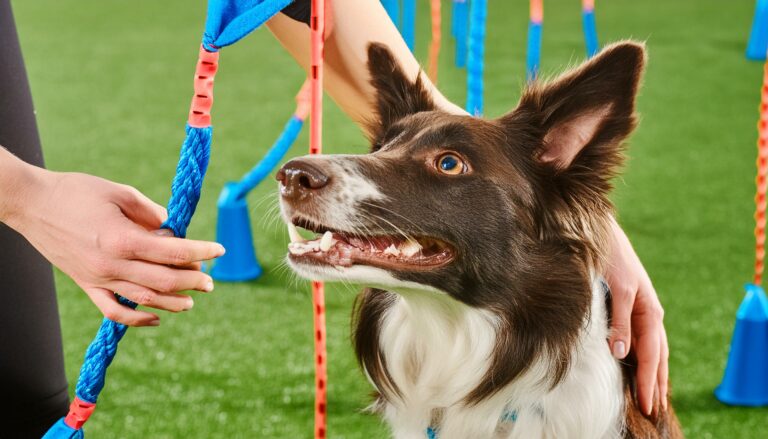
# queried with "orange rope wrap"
point(761, 182)
point(317, 29)
point(202, 101)
point(434, 46)
point(537, 11)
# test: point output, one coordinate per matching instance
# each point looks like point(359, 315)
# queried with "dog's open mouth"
point(340, 249)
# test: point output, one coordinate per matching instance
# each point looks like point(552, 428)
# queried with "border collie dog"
point(482, 243)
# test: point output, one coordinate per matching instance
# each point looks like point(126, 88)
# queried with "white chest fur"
point(437, 350)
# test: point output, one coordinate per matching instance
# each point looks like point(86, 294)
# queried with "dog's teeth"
point(293, 233)
point(392, 250)
point(299, 248)
point(410, 247)
point(326, 241)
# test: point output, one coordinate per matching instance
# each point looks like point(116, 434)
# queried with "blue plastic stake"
point(408, 29)
point(745, 382)
point(461, 21)
point(533, 57)
point(393, 10)
point(590, 31)
point(758, 38)
point(233, 226)
point(476, 59)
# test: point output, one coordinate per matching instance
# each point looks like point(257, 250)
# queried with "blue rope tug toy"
point(227, 22)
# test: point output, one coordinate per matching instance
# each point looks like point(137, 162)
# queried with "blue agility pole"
point(533, 54)
point(393, 10)
point(408, 29)
point(227, 22)
point(460, 25)
point(233, 225)
point(476, 60)
point(590, 29)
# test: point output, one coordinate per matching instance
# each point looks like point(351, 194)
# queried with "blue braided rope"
point(185, 193)
point(99, 356)
point(185, 190)
point(476, 60)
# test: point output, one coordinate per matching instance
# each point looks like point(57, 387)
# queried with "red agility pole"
point(317, 29)
point(761, 182)
point(434, 47)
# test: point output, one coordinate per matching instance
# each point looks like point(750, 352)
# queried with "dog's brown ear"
point(396, 95)
point(579, 121)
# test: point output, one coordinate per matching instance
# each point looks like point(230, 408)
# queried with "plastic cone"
point(233, 231)
point(758, 38)
point(746, 376)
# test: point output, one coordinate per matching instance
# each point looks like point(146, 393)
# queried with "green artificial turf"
point(112, 85)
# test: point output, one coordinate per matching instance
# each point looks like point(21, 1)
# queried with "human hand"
point(104, 236)
point(637, 320)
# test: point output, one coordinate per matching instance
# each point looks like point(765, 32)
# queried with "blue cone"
point(233, 231)
point(758, 38)
point(746, 376)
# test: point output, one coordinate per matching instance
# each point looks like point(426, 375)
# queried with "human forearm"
point(17, 182)
point(346, 72)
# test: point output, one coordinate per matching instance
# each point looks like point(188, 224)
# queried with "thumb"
point(140, 209)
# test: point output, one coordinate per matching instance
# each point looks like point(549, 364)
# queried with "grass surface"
point(112, 83)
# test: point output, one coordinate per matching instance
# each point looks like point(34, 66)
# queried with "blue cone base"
point(758, 38)
point(233, 231)
point(60, 430)
point(745, 382)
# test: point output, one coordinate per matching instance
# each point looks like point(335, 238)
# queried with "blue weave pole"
point(461, 30)
point(227, 22)
point(533, 55)
point(476, 59)
point(272, 158)
point(233, 224)
point(393, 10)
point(758, 37)
point(408, 29)
point(590, 31)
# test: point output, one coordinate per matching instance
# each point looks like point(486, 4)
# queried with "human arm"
point(346, 53)
point(104, 236)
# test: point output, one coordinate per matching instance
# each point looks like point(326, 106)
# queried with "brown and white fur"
point(485, 293)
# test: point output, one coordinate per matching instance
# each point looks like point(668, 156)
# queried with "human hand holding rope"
point(104, 236)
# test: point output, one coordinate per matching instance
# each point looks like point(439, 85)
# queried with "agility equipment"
point(460, 30)
point(535, 30)
point(393, 10)
point(590, 28)
point(317, 36)
point(745, 381)
point(478, 12)
point(233, 225)
point(434, 45)
point(408, 29)
point(533, 55)
point(227, 22)
point(758, 37)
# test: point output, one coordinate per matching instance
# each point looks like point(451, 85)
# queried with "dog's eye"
point(451, 164)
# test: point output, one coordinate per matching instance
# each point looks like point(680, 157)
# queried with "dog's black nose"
point(299, 177)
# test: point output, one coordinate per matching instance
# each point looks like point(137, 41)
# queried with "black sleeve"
point(32, 379)
point(299, 10)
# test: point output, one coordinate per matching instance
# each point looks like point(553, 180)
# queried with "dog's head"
point(508, 214)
